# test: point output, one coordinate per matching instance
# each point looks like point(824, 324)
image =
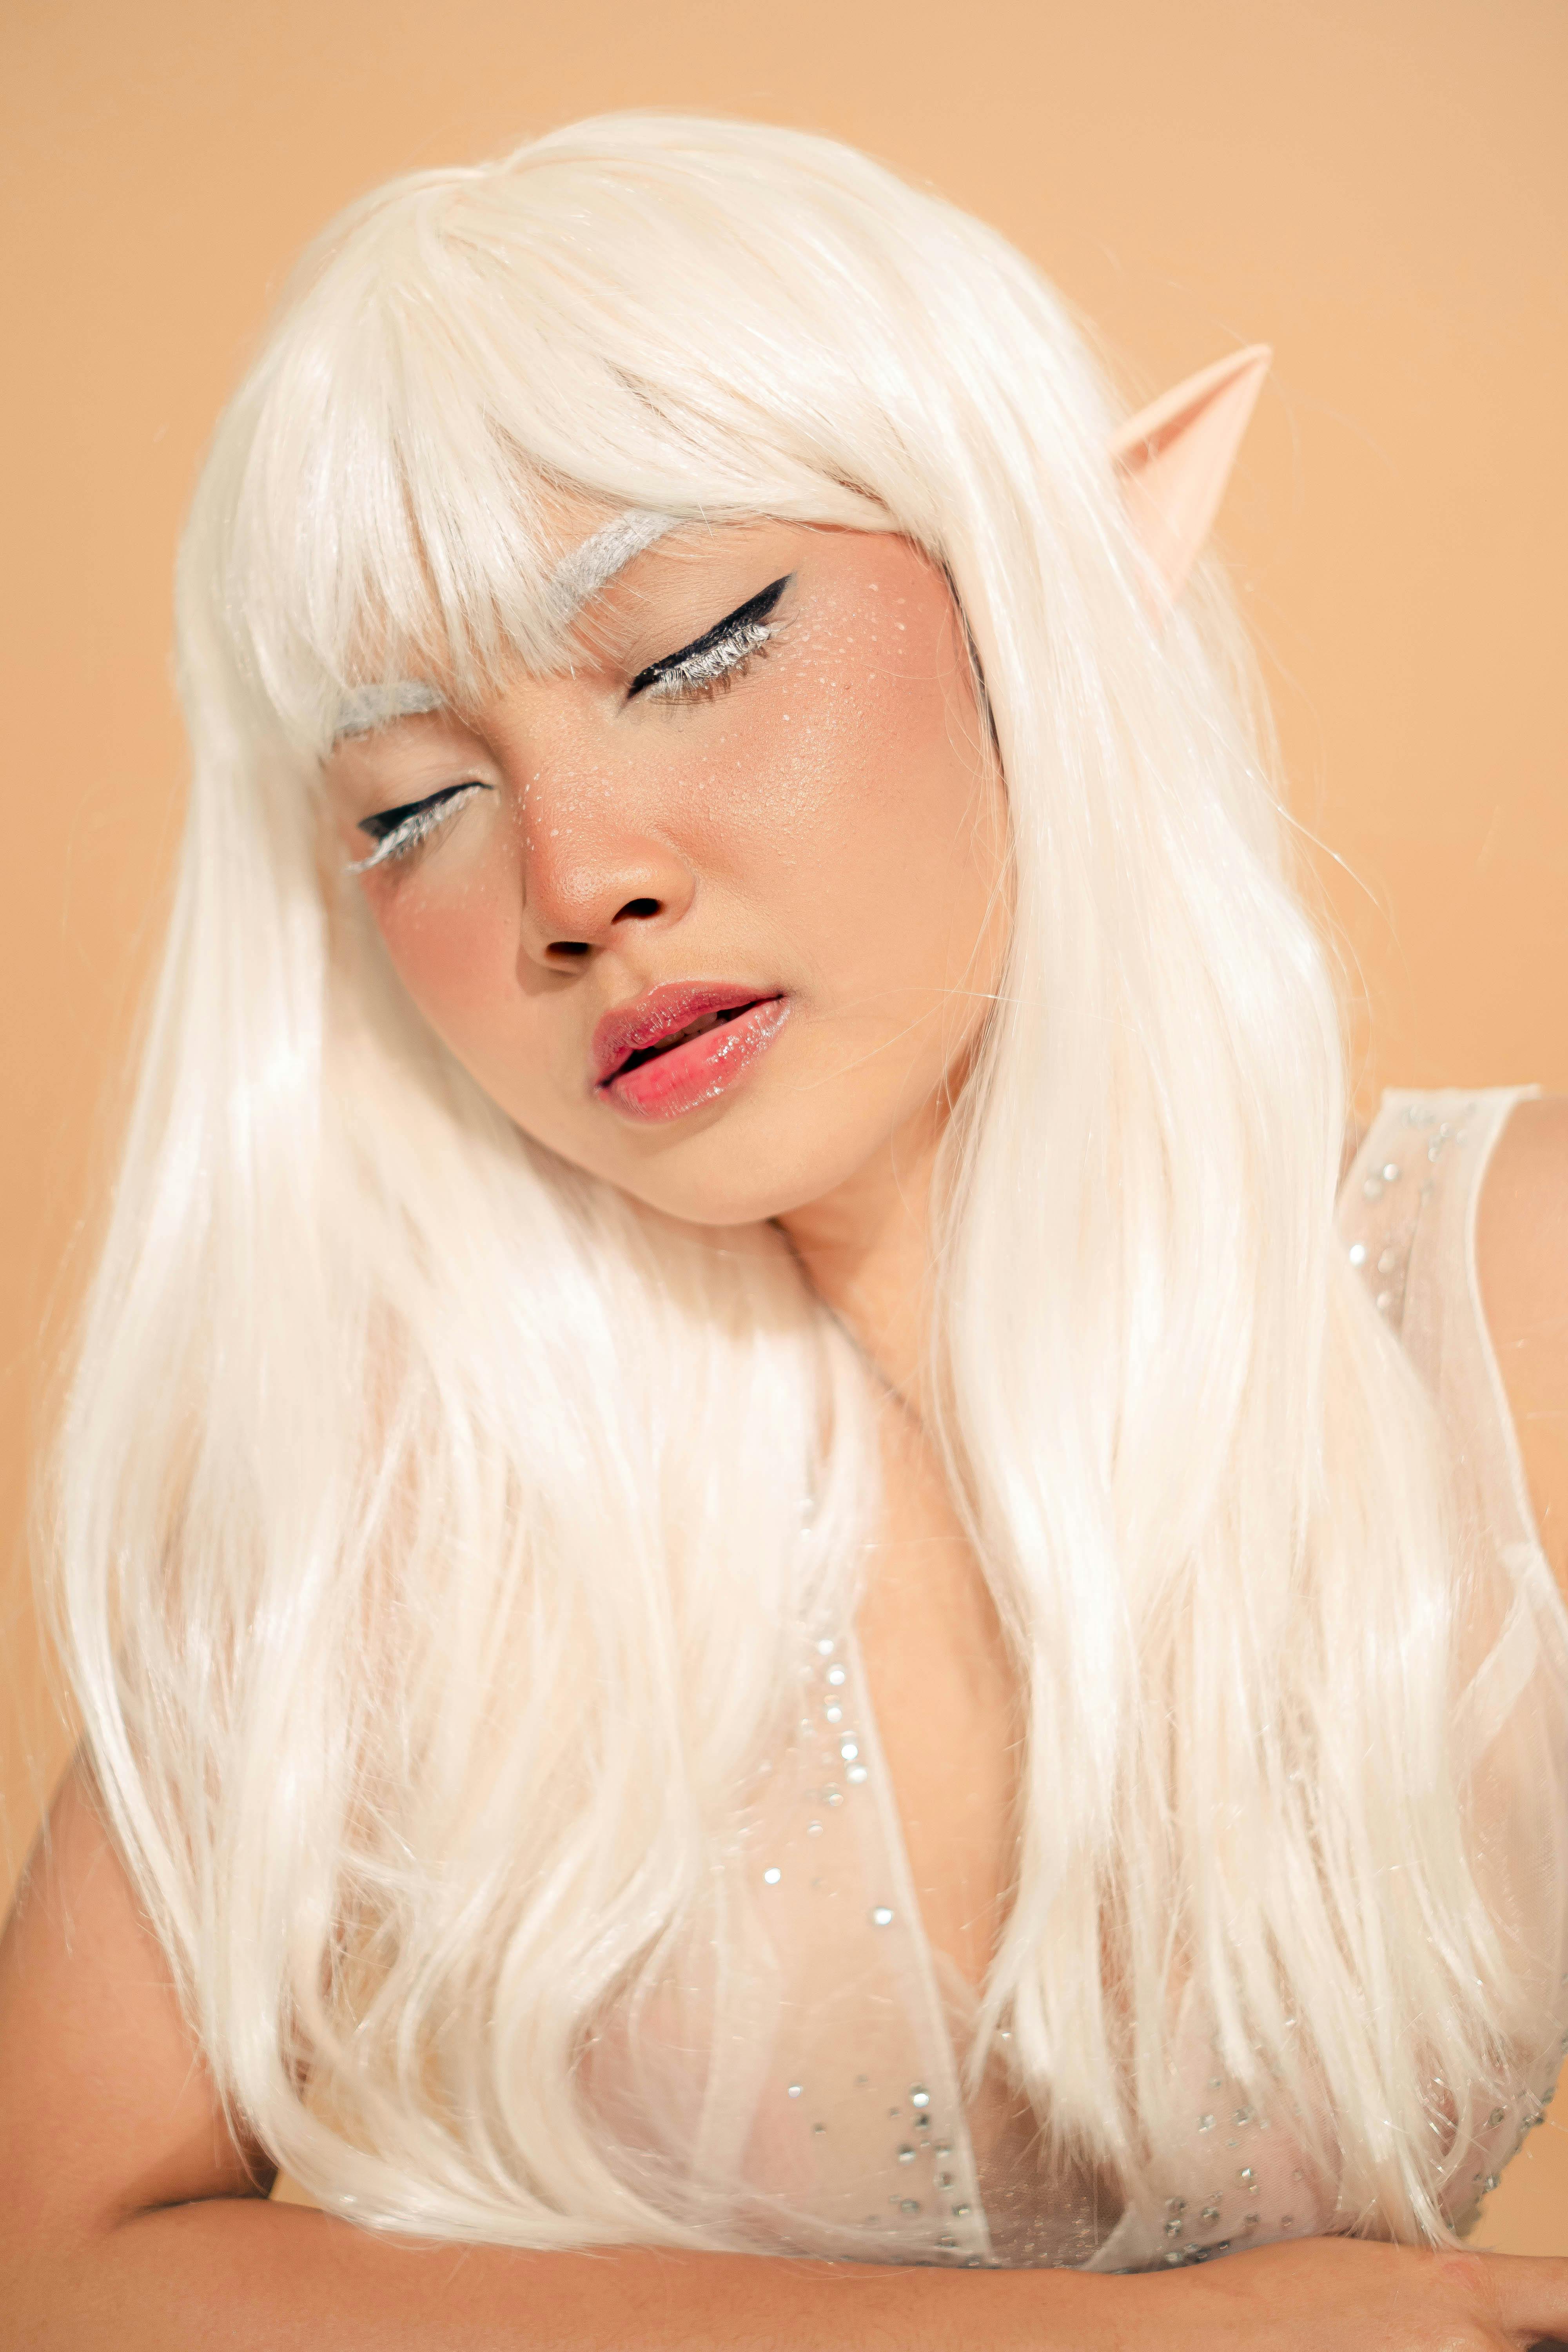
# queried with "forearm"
point(230, 2275)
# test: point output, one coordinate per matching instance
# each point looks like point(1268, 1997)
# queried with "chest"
point(947, 1701)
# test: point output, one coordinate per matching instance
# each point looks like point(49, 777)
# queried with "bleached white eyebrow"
point(591, 567)
point(579, 575)
point(370, 706)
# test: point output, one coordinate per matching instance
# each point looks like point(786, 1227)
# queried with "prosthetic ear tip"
point(1240, 374)
point(1174, 458)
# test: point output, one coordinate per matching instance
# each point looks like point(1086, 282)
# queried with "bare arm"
point(129, 2216)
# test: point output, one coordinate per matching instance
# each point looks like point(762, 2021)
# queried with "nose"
point(590, 875)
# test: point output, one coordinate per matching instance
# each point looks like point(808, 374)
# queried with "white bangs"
point(471, 350)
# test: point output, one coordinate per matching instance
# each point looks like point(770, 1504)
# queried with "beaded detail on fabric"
point(1394, 1189)
point(1241, 2205)
point(862, 2113)
point(925, 2198)
point(917, 2150)
point(1512, 2125)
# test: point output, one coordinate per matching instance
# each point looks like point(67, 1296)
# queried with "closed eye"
point(718, 653)
point(398, 831)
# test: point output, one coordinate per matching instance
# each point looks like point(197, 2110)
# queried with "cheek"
point(859, 801)
point(455, 950)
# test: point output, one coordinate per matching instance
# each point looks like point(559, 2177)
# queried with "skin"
point(824, 822)
point(826, 826)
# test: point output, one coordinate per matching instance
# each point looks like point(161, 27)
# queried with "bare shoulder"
point(1521, 1254)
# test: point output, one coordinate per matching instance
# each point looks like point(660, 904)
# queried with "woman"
point(746, 1569)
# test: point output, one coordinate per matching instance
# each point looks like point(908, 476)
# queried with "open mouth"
point(683, 1044)
point(698, 1028)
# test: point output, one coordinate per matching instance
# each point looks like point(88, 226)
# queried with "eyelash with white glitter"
point(405, 828)
point(702, 670)
point(719, 653)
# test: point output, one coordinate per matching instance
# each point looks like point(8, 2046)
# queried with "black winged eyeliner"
point(386, 821)
point(415, 819)
point(756, 608)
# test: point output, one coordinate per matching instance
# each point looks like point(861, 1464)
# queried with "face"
point(716, 911)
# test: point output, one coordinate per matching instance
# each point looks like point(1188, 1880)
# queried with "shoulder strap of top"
point(1407, 1213)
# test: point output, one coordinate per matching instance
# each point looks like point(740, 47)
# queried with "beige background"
point(1377, 187)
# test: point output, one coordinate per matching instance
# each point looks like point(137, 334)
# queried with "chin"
point(731, 1180)
point(741, 1196)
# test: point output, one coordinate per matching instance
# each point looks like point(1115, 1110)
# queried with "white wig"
point(413, 1480)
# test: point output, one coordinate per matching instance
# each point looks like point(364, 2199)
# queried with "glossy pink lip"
point(677, 1079)
point(662, 1013)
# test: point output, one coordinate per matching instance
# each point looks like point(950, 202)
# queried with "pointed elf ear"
point(1174, 459)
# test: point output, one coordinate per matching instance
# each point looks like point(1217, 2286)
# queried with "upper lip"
point(628, 1029)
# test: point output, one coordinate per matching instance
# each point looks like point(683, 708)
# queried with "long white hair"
point(413, 1480)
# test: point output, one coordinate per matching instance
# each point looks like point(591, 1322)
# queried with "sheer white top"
point(831, 2119)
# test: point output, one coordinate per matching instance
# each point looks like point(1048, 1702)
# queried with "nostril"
point(639, 907)
point(567, 948)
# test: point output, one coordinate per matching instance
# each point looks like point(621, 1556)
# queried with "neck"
point(865, 1248)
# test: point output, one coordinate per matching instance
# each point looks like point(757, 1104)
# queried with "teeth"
point(695, 1029)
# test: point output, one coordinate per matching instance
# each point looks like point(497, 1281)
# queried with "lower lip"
point(699, 1071)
